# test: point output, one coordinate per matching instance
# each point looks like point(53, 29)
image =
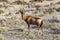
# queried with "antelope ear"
point(21, 11)
point(17, 12)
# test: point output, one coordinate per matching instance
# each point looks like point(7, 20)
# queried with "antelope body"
point(31, 20)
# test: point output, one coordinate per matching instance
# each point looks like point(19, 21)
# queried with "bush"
point(3, 29)
point(30, 35)
point(22, 29)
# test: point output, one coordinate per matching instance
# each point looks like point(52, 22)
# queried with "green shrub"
point(30, 35)
point(3, 29)
point(22, 29)
point(23, 32)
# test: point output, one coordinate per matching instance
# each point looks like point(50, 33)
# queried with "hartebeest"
point(31, 20)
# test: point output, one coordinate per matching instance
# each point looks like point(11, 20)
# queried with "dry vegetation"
point(12, 27)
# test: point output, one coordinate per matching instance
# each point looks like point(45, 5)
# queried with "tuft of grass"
point(3, 0)
point(22, 29)
point(48, 0)
point(57, 36)
point(2, 37)
point(58, 2)
point(17, 2)
point(38, 0)
point(47, 26)
point(37, 7)
point(49, 11)
point(30, 35)
point(23, 32)
point(58, 9)
point(2, 29)
point(1, 11)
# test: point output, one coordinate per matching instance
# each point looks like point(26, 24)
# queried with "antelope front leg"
point(28, 28)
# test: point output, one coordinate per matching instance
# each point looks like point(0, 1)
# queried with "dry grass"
point(2, 29)
point(2, 37)
point(30, 35)
point(17, 2)
point(48, 11)
point(1, 11)
point(17, 28)
point(3, 0)
point(58, 9)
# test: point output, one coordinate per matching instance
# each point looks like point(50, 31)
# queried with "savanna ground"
point(12, 27)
